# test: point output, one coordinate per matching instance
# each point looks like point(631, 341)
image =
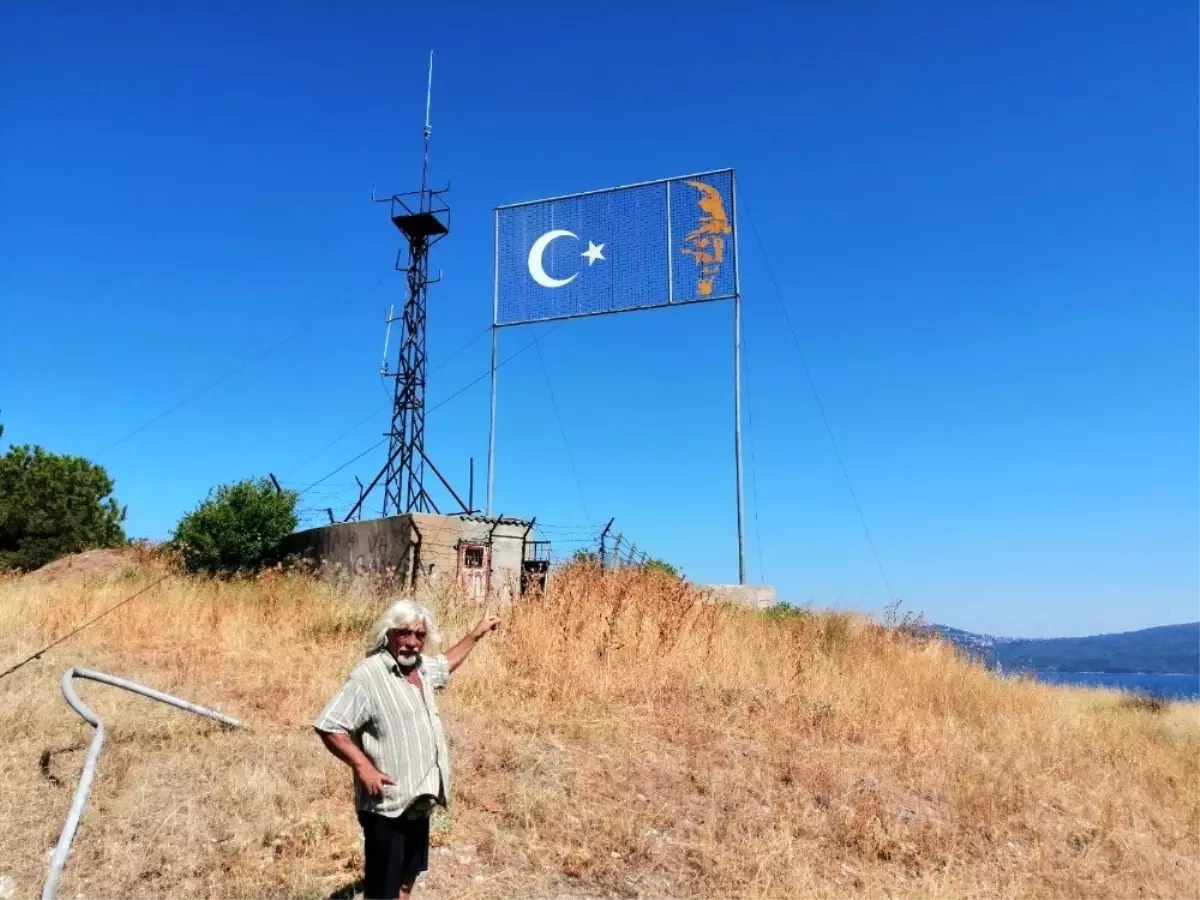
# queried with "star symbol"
point(593, 252)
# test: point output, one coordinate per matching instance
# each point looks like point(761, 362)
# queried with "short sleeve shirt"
point(396, 724)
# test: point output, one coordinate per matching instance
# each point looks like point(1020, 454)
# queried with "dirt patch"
point(90, 565)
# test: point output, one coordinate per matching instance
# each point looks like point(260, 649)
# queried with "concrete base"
point(756, 596)
point(373, 547)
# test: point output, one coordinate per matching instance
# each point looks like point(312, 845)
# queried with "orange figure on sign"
point(707, 243)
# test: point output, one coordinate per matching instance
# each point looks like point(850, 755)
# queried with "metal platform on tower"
point(421, 223)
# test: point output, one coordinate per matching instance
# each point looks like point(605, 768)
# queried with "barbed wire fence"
point(616, 551)
point(611, 549)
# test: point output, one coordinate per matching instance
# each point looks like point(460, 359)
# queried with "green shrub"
point(780, 610)
point(52, 506)
point(661, 565)
point(238, 529)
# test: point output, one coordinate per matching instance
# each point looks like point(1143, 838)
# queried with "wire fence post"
point(603, 539)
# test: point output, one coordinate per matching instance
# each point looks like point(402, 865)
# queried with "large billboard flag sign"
point(660, 243)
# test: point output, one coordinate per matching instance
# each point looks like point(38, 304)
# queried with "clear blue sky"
point(982, 217)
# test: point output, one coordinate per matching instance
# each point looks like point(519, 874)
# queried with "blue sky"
point(982, 218)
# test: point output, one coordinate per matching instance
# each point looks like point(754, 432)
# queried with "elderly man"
point(384, 724)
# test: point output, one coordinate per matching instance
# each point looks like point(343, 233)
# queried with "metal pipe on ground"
point(83, 789)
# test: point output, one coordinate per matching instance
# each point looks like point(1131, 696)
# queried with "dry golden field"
point(616, 738)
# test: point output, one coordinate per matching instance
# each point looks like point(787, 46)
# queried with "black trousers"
point(396, 851)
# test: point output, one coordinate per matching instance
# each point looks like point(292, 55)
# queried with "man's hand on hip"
point(372, 779)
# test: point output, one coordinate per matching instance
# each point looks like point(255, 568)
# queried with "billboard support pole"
point(491, 467)
point(737, 394)
point(491, 462)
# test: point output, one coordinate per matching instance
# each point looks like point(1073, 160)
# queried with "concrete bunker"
point(489, 556)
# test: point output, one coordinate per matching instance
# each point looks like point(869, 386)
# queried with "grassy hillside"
point(1168, 648)
point(617, 739)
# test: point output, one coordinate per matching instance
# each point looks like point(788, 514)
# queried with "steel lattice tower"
point(423, 219)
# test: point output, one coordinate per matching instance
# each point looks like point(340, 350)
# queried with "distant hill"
point(1167, 648)
point(971, 641)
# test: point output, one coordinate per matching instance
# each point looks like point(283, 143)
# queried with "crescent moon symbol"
point(537, 253)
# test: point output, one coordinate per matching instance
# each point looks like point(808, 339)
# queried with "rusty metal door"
point(474, 570)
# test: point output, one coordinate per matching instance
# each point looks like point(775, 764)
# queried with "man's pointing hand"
point(456, 654)
point(489, 622)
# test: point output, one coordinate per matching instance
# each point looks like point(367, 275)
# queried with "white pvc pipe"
point(83, 789)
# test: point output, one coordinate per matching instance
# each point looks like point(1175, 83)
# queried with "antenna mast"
point(423, 217)
point(428, 128)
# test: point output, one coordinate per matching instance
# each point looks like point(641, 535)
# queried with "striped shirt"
point(396, 724)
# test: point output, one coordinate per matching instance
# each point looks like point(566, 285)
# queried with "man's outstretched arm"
point(456, 654)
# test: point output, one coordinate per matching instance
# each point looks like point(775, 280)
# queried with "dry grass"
point(617, 738)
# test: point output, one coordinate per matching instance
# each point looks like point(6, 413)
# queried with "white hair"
point(403, 614)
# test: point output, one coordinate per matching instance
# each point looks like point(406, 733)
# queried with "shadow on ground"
point(347, 891)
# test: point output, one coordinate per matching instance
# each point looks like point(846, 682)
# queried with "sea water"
point(1167, 687)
